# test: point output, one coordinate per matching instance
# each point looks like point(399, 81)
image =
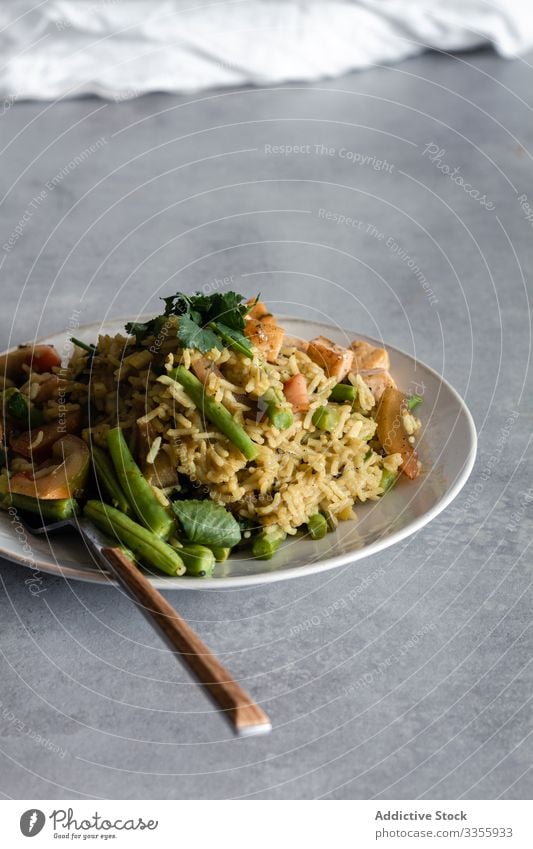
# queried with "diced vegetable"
point(199, 560)
point(278, 416)
point(148, 548)
point(317, 526)
point(19, 407)
point(295, 391)
point(391, 432)
point(40, 358)
point(267, 543)
point(64, 480)
point(216, 413)
point(207, 523)
point(343, 392)
point(33, 446)
point(387, 480)
point(414, 401)
point(107, 480)
point(326, 418)
point(136, 488)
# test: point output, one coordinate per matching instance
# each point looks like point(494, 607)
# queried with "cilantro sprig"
point(205, 321)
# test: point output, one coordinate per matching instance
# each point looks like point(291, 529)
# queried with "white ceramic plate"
point(447, 449)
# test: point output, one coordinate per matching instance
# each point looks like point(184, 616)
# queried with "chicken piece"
point(295, 391)
point(265, 334)
point(377, 381)
point(373, 365)
point(366, 356)
point(296, 342)
point(334, 359)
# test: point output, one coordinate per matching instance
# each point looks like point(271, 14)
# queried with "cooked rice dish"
point(328, 426)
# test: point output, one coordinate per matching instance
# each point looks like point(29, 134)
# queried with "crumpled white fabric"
point(123, 48)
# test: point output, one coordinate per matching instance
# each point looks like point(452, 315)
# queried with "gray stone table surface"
point(393, 201)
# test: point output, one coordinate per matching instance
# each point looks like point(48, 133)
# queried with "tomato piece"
point(40, 357)
point(45, 358)
point(295, 391)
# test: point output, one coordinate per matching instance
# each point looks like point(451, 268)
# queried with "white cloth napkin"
point(123, 48)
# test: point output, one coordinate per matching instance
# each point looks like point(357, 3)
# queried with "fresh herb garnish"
point(205, 321)
point(192, 335)
point(414, 401)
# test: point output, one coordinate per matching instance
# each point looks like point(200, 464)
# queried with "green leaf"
point(177, 304)
point(207, 523)
point(228, 308)
point(137, 329)
point(191, 335)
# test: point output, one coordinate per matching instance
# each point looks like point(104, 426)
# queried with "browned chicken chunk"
point(334, 359)
point(373, 365)
point(265, 334)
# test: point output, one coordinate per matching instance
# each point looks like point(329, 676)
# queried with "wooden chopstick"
point(245, 715)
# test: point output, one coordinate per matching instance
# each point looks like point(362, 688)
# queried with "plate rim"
point(211, 584)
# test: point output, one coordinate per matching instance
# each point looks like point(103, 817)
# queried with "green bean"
point(387, 480)
point(221, 554)
point(279, 417)
point(216, 413)
point(136, 488)
point(149, 548)
point(199, 560)
point(343, 392)
point(317, 526)
point(107, 480)
point(326, 418)
point(266, 544)
point(53, 509)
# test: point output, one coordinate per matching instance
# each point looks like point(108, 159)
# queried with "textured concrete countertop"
point(405, 675)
